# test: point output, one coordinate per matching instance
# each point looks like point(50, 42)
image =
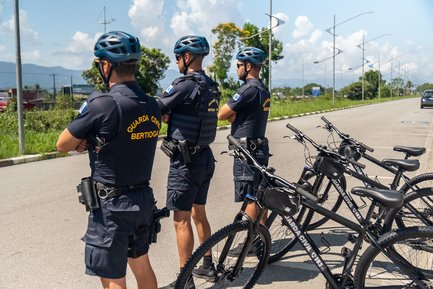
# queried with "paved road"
point(42, 222)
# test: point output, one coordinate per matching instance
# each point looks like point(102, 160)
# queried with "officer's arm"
point(226, 113)
point(67, 142)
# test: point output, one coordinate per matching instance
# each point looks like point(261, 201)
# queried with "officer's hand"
point(165, 117)
point(82, 146)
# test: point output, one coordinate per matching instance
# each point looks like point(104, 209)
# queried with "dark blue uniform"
point(192, 102)
point(251, 103)
point(127, 122)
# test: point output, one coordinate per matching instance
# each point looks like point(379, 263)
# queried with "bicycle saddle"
point(407, 165)
point(388, 198)
point(413, 151)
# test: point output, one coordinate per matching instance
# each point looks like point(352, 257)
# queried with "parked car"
point(427, 98)
point(5, 100)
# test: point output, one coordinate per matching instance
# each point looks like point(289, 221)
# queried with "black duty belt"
point(108, 192)
point(250, 144)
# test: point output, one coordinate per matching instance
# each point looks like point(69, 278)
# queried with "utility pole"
point(105, 21)
point(270, 48)
point(21, 141)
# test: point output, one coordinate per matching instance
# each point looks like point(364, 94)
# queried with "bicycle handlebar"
point(293, 186)
point(300, 135)
point(329, 126)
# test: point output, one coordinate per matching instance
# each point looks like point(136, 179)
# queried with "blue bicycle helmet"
point(251, 54)
point(195, 44)
point(118, 46)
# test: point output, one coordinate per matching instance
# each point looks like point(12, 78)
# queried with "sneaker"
point(209, 274)
point(190, 285)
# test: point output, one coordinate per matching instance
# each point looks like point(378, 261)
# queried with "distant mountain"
point(41, 75)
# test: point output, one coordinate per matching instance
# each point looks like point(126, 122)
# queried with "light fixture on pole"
point(279, 22)
point(362, 47)
point(334, 48)
point(339, 51)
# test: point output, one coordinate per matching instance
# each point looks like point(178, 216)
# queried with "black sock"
point(207, 261)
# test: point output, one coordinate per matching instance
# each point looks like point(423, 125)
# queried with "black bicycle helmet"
point(197, 45)
point(251, 54)
point(118, 46)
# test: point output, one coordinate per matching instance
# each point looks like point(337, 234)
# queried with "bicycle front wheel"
point(408, 250)
point(229, 239)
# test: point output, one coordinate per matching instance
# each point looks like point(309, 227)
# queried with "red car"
point(4, 103)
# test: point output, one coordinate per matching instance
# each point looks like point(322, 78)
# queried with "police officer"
point(190, 105)
point(247, 111)
point(120, 130)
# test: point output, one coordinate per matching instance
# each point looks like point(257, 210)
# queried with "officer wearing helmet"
point(190, 106)
point(247, 111)
point(119, 129)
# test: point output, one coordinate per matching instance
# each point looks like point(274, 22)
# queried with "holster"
point(88, 195)
point(168, 147)
point(155, 226)
point(184, 150)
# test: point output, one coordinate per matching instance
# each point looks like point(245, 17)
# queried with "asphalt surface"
point(42, 222)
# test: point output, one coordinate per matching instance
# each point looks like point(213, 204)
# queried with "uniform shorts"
point(246, 177)
point(188, 184)
point(116, 231)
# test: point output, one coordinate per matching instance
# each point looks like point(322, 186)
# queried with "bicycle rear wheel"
point(252, 266)
point(417, 210)
point(409, 249)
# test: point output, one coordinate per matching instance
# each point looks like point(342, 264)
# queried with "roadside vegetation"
point(42, 128)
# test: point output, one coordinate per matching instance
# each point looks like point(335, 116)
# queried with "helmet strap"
point(106, 79)
point(186, 65)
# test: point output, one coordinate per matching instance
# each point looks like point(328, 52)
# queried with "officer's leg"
point(114, 283)
point(201, 223)
point(184, 235)
point(143, 272)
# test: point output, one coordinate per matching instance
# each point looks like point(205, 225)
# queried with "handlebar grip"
point(305, 193)
point(367, 147)
point(325, 120)
point(233, 140)
point(355, 163)
point(292, 128)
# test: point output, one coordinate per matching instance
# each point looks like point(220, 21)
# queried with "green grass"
point(42, 129)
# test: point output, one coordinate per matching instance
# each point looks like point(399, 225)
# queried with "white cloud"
point(302, 26)
point(26, 32)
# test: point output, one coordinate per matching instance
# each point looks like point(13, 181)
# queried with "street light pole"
point(334, 48)
point(270, 48)
point(21, 140)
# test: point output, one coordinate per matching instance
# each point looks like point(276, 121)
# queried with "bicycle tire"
point(370, 271)
point(417, 210)
point(317, 220)
point(420, 181)
point(282, 238)
point(247, 277)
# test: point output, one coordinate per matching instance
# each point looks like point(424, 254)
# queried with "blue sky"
point(62, 33)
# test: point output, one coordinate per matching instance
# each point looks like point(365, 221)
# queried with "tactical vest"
point(198, 126)
point(254, 126)
point(127, 159)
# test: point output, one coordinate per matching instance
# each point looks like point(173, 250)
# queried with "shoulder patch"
point(169, 89)
point(83, 108)
point(236, 97)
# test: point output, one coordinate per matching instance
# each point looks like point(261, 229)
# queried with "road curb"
point(45, 156)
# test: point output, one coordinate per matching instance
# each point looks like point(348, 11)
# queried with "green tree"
point(261, 41)
point(150, 70)
point(224, 47)
point(353, 91)
point(371, 79)
point(424, 86)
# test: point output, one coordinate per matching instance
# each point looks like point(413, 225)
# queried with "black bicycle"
point(240, 250)
point(419, 209)
point(399, 259)
point(325, 179)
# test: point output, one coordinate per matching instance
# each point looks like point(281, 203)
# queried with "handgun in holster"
point(88, 195)
point(168, 147)
point(155, 226)
point(184, 150)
